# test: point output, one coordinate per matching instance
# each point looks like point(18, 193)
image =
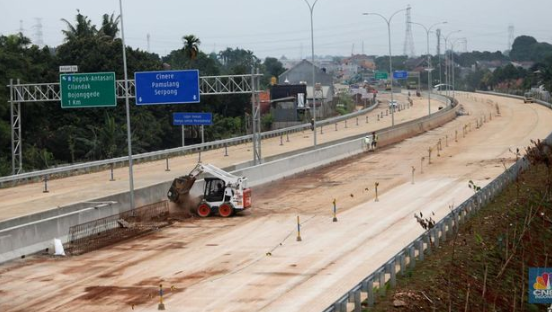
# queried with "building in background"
point(301, 74)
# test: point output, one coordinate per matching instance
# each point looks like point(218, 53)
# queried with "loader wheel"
point(203, 210)
point(225, 210)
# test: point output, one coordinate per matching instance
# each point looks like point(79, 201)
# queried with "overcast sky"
point(282, 27)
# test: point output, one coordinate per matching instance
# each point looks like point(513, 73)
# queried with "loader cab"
point(214, 190)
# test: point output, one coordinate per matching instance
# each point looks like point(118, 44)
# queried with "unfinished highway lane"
point(28, 199)
point(254, 263)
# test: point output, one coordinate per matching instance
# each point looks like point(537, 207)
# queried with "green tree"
point(28, 63)
point(272, 67)
point(110, 26)
point(238, 61)
point(191, 46)
point(526, 48)
point(83, 28)
point(104, 142)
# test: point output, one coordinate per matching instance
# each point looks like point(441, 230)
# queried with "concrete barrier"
point(33, 233)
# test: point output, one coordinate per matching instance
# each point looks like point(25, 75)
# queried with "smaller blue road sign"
point(192, 119)
point(167, 87)
point(400, 74)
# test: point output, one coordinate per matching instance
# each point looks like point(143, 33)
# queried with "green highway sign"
point(381, 75)
point(87, 90)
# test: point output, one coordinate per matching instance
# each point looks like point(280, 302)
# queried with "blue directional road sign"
point(167, 87)
point(400, 74)
point(192, 119)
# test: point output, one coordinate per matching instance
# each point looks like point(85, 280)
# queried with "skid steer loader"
point(223, 192)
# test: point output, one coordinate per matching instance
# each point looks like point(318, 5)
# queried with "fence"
point(106, 231)
point(375, 284)
point(536, 94)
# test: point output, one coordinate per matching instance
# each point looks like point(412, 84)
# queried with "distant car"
point(528, 98)
point(393, 104)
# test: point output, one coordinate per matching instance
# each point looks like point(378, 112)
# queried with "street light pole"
point(447, 73)
point(129, 137)
point(429, 80)
point(388, 21)
point(311, 9)
point(452, 53)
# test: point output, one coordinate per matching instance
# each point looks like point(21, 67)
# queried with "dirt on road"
point(253, 262)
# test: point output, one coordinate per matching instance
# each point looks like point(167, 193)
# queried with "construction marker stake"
point(298, 229)
point(429, 152)
point(167, 164)
point(357, 121)
point(321, 129)
point(334, 210)
point(225, 150)
point(112, 177)
point(456, 136)
point(336, 126)
point(45, 185)
point(287, 136)
point(413, 170)
point(422, 165)
point(346, 124)
point(366, 119)
point(161, 305)
point(376, 188)
point(281, 140)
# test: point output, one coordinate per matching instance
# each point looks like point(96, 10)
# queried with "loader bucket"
point(180, 187)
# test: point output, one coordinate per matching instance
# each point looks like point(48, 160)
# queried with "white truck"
point(223, 192)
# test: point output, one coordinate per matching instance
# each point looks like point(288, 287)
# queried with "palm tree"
point(191, 46)
point(15, 42)
point(110, 26)
point(82, 28)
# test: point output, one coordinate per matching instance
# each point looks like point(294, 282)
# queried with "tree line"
point(54, 136)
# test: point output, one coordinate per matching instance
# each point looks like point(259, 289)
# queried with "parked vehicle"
point(528, 97)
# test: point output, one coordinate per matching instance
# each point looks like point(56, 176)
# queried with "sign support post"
point(129, 134)
point(183, 137)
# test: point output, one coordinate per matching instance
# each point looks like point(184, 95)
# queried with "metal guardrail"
point(375, 284)
point(157, 155)
point(541, 102)
point(150, 156)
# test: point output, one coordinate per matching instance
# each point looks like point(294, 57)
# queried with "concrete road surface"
point(28, 199)
point(222, 264)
